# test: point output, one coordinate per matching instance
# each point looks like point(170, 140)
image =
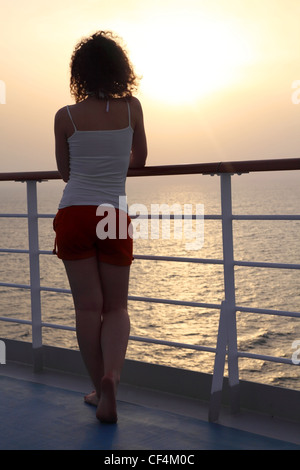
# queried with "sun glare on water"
point(183, 59)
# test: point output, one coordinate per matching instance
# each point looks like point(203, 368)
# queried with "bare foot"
point(107, 406)
point(92, 398)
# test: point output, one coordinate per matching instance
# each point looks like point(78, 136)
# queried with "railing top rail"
point(247, 166)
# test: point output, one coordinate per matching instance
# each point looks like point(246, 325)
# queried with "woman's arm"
point(61, 145)
point(139, 143)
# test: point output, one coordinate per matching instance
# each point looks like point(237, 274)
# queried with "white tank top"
point(99, 161)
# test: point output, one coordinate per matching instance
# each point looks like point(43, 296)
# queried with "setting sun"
point(183, 59)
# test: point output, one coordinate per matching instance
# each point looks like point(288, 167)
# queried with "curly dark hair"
point(101, 67)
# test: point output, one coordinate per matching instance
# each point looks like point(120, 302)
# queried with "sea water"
point(263, 241)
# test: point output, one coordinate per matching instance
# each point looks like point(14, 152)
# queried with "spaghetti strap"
point(129, 115)
point(71, 118)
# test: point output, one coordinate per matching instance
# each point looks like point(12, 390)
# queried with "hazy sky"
point(217, 75)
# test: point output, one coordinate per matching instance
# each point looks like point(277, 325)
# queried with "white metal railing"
point(227, 334)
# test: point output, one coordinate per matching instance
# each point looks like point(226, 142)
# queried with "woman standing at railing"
point(97, 139)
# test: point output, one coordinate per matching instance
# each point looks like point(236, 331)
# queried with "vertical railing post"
point(227, 335)
point(34, 265)
point(218, 374)
point(229, 285)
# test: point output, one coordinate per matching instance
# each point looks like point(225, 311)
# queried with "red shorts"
point(80, 234)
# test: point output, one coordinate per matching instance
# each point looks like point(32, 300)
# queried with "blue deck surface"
point(36, 416)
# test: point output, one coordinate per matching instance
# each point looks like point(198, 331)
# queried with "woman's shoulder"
point(61, 113)
point(136, 107)
point(62, 121)
point(135, 102)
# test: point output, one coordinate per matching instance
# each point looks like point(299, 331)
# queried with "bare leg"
point(88, 301)
point(100, 293)
point(114, 335)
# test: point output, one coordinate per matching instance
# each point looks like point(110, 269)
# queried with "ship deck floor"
point(46, 411)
